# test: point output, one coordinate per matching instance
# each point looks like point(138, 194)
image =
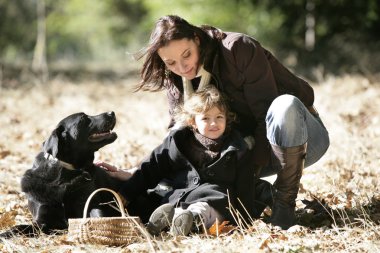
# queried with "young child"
point(205, 162)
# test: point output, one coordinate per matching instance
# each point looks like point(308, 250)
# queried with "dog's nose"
point(111, 114)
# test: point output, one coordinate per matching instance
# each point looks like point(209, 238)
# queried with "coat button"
point(196, 180)
point(210, 173)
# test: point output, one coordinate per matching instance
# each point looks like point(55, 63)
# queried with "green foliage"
point(79, 29)
point(76, 29)
point(127, 16)
point(233, 15)
point(104, 30)
point(17, 27)
point(331, 18)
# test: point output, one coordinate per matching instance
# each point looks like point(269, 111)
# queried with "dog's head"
point(78, 136)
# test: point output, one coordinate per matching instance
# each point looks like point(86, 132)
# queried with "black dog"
point(63, 174)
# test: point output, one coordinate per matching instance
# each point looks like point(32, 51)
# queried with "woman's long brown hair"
point(167, 28)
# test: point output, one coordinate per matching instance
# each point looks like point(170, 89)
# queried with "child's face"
point(211, 123)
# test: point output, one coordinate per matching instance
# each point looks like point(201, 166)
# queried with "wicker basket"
point(112, 231)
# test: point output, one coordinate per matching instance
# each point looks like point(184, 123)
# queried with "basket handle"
point(119, 201)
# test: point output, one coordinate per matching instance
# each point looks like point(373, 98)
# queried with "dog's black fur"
point(56, 193)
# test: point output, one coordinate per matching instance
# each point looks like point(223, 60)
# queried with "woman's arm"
point(259, 89)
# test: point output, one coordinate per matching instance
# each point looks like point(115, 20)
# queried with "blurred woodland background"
point(87, 38)
point(58, 57)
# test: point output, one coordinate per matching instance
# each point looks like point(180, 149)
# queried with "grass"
point(338, 206)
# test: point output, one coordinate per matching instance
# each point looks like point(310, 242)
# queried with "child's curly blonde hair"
point(202, 101)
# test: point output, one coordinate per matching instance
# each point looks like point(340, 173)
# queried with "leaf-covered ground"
point(339, 201)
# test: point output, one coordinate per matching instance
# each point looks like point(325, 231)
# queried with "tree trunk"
point(310, 26)
point(39, 64)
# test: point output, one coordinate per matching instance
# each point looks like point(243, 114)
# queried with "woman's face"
point(181, 57)
point(211, 123)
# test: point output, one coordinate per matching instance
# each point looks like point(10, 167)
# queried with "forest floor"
point(338, 206)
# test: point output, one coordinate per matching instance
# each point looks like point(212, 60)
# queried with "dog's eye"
point(85, 120)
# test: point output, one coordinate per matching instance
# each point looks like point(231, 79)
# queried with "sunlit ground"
point(345, 179)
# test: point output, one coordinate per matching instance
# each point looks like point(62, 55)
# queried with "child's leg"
point(207, 213)
point(183, 221)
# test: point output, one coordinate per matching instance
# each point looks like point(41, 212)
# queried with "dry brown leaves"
point(344, 181)
point(7, 219)
point(220, 228)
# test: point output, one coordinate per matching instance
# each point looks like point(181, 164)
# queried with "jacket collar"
point(176, 137)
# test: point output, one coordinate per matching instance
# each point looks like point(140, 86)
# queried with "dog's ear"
point(51, 145)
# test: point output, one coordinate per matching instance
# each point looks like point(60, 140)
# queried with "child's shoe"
point(160, 219)
point(182, 223)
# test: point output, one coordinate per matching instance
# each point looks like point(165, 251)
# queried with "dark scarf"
point(202, 151)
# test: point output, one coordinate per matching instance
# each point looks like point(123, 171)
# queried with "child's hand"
point(106, 166)
point(115, 172)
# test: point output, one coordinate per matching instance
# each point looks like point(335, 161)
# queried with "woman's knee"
point(285, 109)
point(285, 120)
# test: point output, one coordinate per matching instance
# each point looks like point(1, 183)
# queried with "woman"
point(272, 104)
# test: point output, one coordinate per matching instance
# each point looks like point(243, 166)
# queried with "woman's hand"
point(115, 172)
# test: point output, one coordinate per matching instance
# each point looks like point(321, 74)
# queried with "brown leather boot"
point(287, 184)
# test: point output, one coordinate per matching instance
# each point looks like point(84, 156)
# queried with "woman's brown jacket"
point(251, 77)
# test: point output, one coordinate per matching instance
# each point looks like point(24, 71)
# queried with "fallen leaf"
point(4, 153)
point(217, 229)
point(265, 243)
point(7, 219)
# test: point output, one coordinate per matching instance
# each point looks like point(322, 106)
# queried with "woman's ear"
point(197, 41)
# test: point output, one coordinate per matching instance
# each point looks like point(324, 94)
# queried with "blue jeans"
point(290, 124)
